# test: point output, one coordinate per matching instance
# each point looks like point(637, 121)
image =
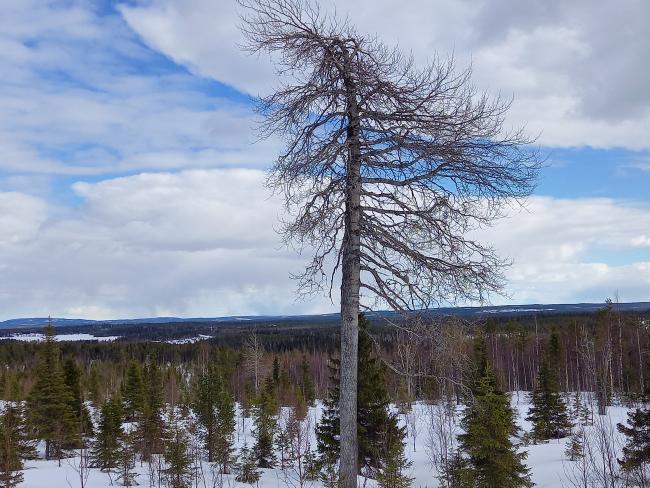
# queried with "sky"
point(132, 178)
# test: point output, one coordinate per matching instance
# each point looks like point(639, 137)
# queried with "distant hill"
point(500, 310)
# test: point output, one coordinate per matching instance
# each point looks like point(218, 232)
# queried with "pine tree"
point(49, 403)
point(247, 470)
point(15, 447)
point(105, 450)
point(548, 412)
point(375, 421)
point(133, 392)
point(636, 452)
point(300, 408)
point(489, 458)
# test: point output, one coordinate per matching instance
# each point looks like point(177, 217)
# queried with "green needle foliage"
point(49, 405)
point(15, 446)
point(178, 472)
point(489, 458)
point(377, 426)
point(548, 412)
point(636, 453)
point(104, 453)
point(133, 392)
point(214, 408)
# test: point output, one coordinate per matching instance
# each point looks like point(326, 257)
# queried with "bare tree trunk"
point(350, 284)
point(638, 350)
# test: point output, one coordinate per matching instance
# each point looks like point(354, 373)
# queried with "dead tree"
point(387, 167)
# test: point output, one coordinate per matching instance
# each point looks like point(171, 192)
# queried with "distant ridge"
point(498, 310)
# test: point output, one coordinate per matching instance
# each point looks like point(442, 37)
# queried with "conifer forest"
point(447, 402)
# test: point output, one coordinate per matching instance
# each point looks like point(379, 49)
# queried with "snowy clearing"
point(549, 465)
point(36, 337)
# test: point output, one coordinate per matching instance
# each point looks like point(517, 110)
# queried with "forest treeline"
point(606, 351)
point(175, 406)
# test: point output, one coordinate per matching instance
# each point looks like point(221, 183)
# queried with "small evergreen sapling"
point(575, 446)
point(125, 465)
point(247, 470)
point(178, 470)
point(636, 452)
point(393, 473)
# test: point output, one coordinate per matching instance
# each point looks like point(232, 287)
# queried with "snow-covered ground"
point(188, 340)
point(36, 337)
point(549, 465)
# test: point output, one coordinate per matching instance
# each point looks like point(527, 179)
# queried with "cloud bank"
point(578, 70)
point(201, 243)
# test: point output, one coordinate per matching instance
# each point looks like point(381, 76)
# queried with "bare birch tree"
point(387, 167)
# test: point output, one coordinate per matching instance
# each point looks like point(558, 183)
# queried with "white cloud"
point(561, 250)
point(578, 71)
point(201, 243)
point(196, 243)
point(88, 98)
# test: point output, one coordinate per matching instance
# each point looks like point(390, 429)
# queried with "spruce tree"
point(133, 392)
point(307, 382)
point(375, 420)
point(580, 409)
point(575, 446)
point(214, 408)
point(151, 425)
point(247, 470)
point(104, 453)
point(94, 388)
point(223, 448)
point(125, 465)
point(265, 426)
point(393, 473)
point(489, 458)
point(15, 446)
point(204, 406)
point(72, 378)
point(178, 471)
point(548, 412)
point(283, 448)
point(636, 452)
point(49, 409)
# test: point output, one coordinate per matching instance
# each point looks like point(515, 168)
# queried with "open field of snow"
point(36, 337)
point(549, 465)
